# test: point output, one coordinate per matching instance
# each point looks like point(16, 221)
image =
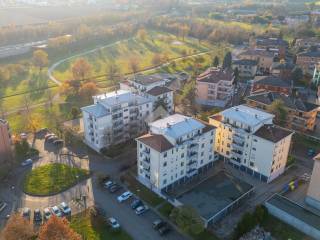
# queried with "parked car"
point(136, 203)
point(66, 210)
point(141, 209)
point(46, 213)
point(56, 211)
point(3, 205)
point(108, 184)
point(52, 138)
point(311, 152)
point(114, 188)
point(158, 224)
point(124, 196)
point(26, 212)
point(27, 162)
point(58, 142)
point(37, 216)
point(48, 135)
point(113, 223)
point(163, 230)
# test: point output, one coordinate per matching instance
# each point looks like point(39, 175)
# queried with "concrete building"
point(263, 57)
point(316, 75)
point(115, 117)
point(175, 149)
point(248, 140)
point(5, 142)
point(247, 68)
point(301, 115)
point(271, 84)
point(214, 87)
point(313, 195)
point(308, 60)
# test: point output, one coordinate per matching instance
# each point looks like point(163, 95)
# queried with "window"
point(254, 149)
point(182, 164)
point(164, 181)
point(147, 105)
point(182, 172)
point(251, 164)
point(211, 141)
point(182, 155)
point(255, 140)
point(227, 152)
point(140, 145)
point(165, 154)
point(202, 146)
point(201, 162)
point(165, 164)
point(202, 154)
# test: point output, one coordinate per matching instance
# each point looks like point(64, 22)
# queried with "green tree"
point(277, 107)
point(216, 61)
point(40, 59)
point(227, 61)
point(75, 112)
point(236, 76)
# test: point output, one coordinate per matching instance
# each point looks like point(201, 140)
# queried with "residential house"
point(175, 149)
point(161, 96)
point(271, 84)
point(5, 142)
point(313, 194)
point(247, 68)
point(247, 139)
point(308, 60)
point(214, 87)
point(115, 117)
point(274, 45)
point(263, 57)
point(301, 115)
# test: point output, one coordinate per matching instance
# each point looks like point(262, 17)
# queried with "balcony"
point(192, 154)
point(191, 163)
point(192, 172)
point(116, 109)
point(237, 144)
point(146, 159)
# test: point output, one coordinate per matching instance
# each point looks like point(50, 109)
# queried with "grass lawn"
point(95, 228)
point(143, 192)
point(52, 178)
point(281, 230)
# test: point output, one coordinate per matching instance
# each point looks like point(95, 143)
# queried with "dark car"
point(158, 224)
point(114, 188)
point(37, 216)
point(26, 213)
point(163, 230)
point(136, 203)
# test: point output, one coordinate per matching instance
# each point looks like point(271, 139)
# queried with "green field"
point(52, 178)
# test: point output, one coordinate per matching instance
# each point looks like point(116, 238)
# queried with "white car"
point(113, 223)
point(56, 211)
point(65, 208)
point(108, 184)
point(124, 196)
point(47, 213)
point(141, 209)
point(27, 162)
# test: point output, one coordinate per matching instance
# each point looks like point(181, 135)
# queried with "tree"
point(187, 219)
point(81, 69)
point(113, 74)
point(297, 74)
point(88, 90)
point(278, 109)
point(236, 76)
point(227, 61)
point(57, 229)
point(142, 34)
point(33, 123)
point(183, 31)
point(156, 60)
point(40, 59)
point(18, 228)
point(75, 112)
point(134, 64)
point(216, 61)
point(4, 75)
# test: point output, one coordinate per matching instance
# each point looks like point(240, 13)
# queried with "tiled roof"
point(309, 54)
point(214, 75)
point(158, 90)
point(272, 133)
point(282, 66)
point(289, 102)
point(267, 41)
point(156, 142)
point(147, 79)
point(271, 80)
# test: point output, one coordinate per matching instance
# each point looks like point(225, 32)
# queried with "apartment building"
point(313, 194)
point(247, 68)
point(301, 115)
point(271, 83)
point(263, 57)
point(308, 60)
point(248, 140)
point(214, 87)
point(5, 142)
point(152, 87)
point(175, 149)
point(316, 75)
point(115, 117)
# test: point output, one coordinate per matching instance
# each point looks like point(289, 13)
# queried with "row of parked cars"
point(137, 205)
point(63, 210)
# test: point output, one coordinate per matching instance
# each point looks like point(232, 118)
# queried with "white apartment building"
point(248, 140)
point(114, 118)
point(152, 87)
point(313, 195)
point(176, 148)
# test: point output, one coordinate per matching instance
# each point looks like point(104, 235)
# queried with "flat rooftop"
point(295, 210)
point(214, 194)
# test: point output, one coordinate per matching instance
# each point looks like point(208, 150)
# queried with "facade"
point(175, 149)
point(306, 43)
point(248, 140)
point(214, 87)
point(308, 60)
point(316, 75)
point(263, 57)
point(115, 117)
point(313, 195)
point(5, 142)
point(301, 115)
point(161, 96)
point(247, 68)
point(282, 70)
point(271, 84)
